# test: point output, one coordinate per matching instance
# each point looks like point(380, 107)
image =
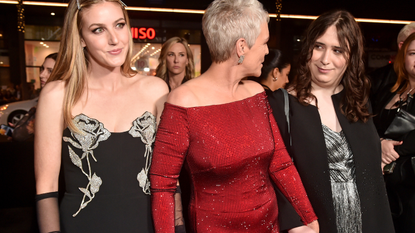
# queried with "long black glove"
point(48, 212)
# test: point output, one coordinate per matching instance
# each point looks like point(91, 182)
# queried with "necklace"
point(403, 101)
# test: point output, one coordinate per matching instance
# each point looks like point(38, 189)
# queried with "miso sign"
point(143, 33)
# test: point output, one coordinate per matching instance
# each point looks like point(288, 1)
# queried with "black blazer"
point(309, 153)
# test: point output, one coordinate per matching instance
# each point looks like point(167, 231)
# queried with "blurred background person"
point(97, 119)
point(274, 72)
point(24, 129)
point(331, 135)
point(386, 76)
point(401, 182)
point(176, 64)
point(220, 128)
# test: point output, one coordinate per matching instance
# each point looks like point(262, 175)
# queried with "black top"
point(107, 188)
point(310, 157)
point(383, 118)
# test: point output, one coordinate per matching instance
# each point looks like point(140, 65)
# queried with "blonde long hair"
point(72, 62)
point(162, 71)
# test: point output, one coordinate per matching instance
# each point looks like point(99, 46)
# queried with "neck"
point(329, 91)
point(226, 76)
point(175, 80)
point(102, 78)
point(411, 84)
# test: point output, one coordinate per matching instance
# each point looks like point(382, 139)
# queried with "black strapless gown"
point(106, 183)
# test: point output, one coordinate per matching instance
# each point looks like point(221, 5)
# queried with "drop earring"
point(241, 59)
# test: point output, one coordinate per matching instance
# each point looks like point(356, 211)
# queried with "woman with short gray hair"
point(221, 129)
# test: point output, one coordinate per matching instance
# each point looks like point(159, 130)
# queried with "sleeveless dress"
point(232, 151)
point(106, 183)
point(342, 170)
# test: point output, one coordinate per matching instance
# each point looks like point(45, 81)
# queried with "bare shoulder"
point(53, 92)
point(252, 87)
point(151, 84)
point(183, 96)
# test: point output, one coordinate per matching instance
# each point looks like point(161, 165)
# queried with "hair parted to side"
point(226, 21)
point(72, 62)
point(162, 71)
point(356, 84)
point(53, 56)
point(274, 59)
point(399, 66)
point(405, 32)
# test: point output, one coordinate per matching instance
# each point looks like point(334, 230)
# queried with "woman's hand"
point(388, 151)
point(313, 227)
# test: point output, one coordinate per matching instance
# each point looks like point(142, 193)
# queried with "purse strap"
point(287, 112)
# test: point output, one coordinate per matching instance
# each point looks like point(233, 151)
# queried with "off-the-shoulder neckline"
point(222, 104)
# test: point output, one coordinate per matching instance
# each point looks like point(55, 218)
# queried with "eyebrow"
point(101, 25)
point(321, 43)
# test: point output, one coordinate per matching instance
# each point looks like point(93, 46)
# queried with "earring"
point(274, 79)
point(241, 59)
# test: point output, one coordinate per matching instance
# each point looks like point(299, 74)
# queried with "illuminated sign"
point(143, 33)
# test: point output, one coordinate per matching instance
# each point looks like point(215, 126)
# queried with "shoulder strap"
point(287, 111)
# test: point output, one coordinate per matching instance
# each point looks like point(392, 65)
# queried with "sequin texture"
point(92, 132)
point(346, 199)
point(232, 150)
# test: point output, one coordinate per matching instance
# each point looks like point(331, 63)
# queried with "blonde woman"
point(97, 119)
point(176, 64)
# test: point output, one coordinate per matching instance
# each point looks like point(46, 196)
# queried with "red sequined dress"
point(232, 151)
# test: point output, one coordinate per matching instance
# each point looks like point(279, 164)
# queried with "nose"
point(176, 59)
point(266, 50)
point(43, 73)
point(112, 37)
point(325, 58)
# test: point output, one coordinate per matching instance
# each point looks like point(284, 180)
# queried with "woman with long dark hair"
point(331, 136)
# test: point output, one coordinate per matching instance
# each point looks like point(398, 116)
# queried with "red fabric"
point(231, 151)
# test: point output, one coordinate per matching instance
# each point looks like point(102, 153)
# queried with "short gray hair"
point(405, 32)
point(226, 21)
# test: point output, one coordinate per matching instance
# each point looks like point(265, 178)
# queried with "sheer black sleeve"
point(48, 212)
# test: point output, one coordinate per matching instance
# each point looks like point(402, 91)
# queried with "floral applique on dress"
point(92, 133)
point(145, 128)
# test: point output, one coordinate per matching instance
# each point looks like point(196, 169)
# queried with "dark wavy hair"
point(274, 59)
point(354, 104)
point(399, 66)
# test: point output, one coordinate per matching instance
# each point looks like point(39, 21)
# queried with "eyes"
point(172, 54)
point(99, 30)
point(335, 49)
point(43, 68)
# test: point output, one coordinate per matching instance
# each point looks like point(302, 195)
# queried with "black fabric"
point(180, 229)
point(401, 183)
point(402, 124)
point(120, 205)
point(46, 195)
point(48, 212)
point(380, 78)
point(310, 157)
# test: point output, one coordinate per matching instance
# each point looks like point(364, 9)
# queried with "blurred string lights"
point(20, 17)
point(190, 11)
point(44, 44)
point(145, 52)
